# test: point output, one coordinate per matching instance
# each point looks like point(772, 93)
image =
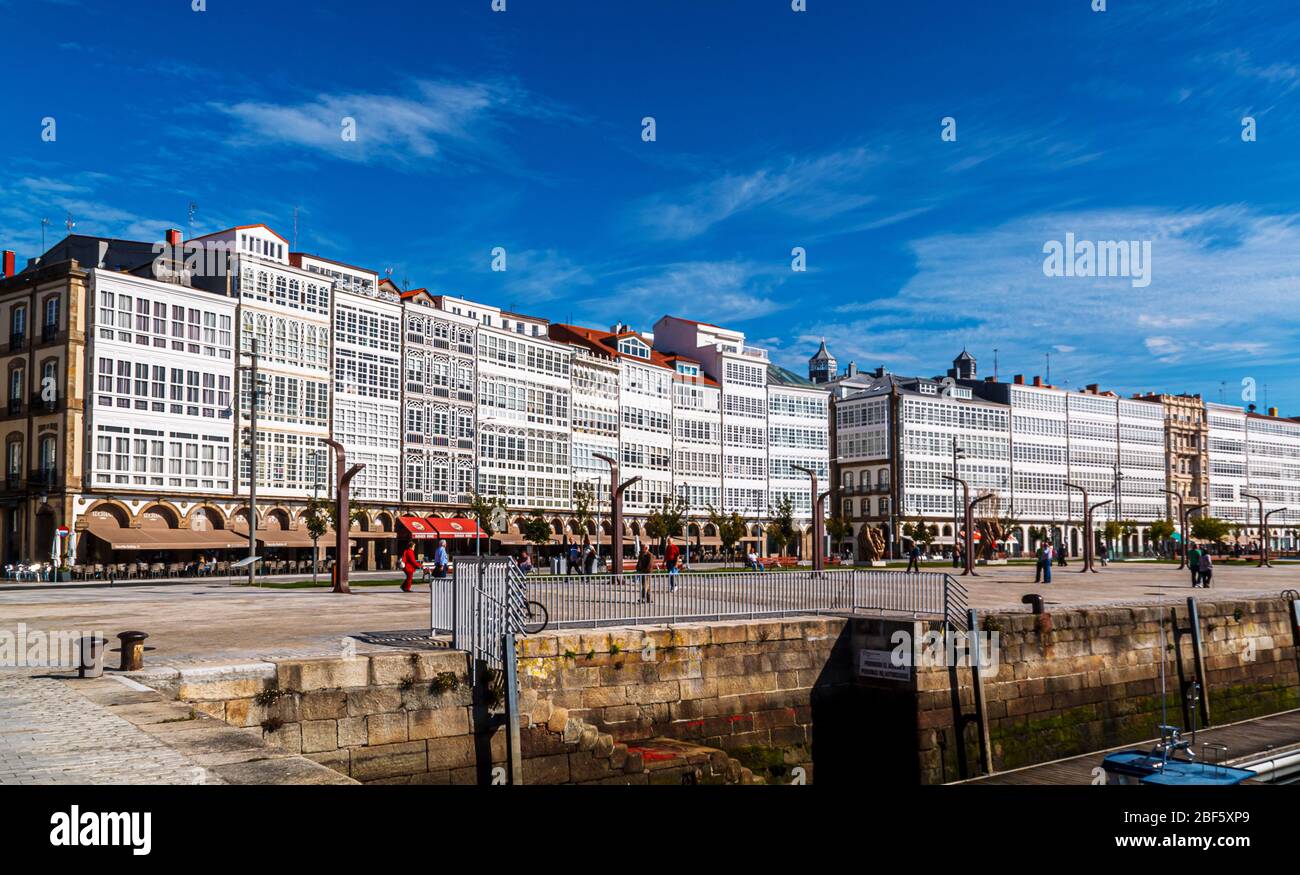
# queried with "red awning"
point(454, 527)
point(418, 527)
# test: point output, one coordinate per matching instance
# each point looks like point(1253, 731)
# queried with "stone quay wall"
point(1083, 680)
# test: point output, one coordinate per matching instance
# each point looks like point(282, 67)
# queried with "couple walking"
point(411, 563)
point(1201, 566)
point(645, 564)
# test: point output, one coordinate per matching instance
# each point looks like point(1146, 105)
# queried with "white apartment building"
point(438, 362)
point(524, 387)
point(284, 313)
point(697, 443)
point(1254, 454)
point(366, 369)
point(1021, 442)
point(160, 376)
point(755, 474)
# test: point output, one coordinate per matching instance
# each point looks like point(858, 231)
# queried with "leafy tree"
point(317, 517)
point(355, 512)
point(666, 521)
point(1210, 529)
point(536, 529)
point(1160, 532)
point(584, 502)
point(781, 530)
point(731, 528)
point(482, 507)
point(839, 529)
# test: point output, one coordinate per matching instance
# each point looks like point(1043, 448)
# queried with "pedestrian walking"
point(671, 556)
point(643, 564)
point(589, 560)
point(1048, 552)
point(1206, 565)
point(573, 560)
point(1059, 552)
point(914, 559)
point(1194, 565)
point(410, 562)
point(441, 560)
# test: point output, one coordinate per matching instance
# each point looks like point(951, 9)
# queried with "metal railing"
point(482, 601)
point(588, 601)
point(485, 599)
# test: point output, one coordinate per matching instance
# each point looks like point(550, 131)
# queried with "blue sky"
point(775, 129)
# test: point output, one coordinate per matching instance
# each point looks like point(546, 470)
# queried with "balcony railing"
point(15, 407)
point(18, 342)
point(39, 405)
point(13, 482)
point(50, 333)
point(43, 478)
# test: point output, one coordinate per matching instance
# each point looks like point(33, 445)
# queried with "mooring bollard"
point(1034, 600)
point(132, 650)
point(92, 657)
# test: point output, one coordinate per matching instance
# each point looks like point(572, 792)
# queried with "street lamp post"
point(1089, 537)
point(968, 523)
point(1182, 520)
point(818, 522)
point(254, 395)
point(1268, 547)
point(1263, 528)
point(342, 557)
point(957, 453)
point(616, 490)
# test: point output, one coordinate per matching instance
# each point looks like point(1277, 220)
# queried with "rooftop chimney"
point(852, 369)
point(1018, 379)
point(1094, 388)
point(173, 237)
point(1038, 381)
point(8, 263)
point(990, 379)
point(1272, 411)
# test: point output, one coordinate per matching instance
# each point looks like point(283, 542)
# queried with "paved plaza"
point(204, 621)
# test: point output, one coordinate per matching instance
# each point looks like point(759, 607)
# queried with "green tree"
point(1160, 532)
point(780, 530)
point(584, 501)
point(482, 507)
point(1210, 529)
point(731, 528)
point(666, 521)
point(317, 517)
point(840, 531)
point(536, 530)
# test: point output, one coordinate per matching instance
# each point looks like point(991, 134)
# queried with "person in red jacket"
point(410, 564)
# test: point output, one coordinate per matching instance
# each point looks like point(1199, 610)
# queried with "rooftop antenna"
point(194, 208)
point(295, 228)
point(995, 364)
point(71, 224)
point(44, 223)
point(1049, 369)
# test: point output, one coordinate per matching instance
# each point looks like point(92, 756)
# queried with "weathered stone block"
point(386, 728)
point(319, 735)
point(305, 675)
point(438, 722)
point(375, 700)
point(456, 752)
point(323, 705)
point(352, 731)
point(389, 760)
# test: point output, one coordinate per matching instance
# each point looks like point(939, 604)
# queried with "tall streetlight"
point(342, 553)
point(957, 453)
point(254, 396)
point(1263, 528)
point(1182, 521)
point(818, 522)
point(968, 551)
point(616, 490)
point(1089, 537)
point(315, 489)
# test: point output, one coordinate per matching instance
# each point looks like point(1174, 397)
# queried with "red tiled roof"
point(606, 342)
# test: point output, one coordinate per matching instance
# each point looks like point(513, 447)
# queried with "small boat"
point(1163, 765)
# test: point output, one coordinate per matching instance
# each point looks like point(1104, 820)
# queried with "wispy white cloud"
point(1222, 294)
point(424, 127)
